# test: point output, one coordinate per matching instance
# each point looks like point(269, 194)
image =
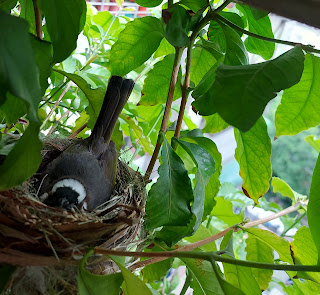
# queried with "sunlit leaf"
point(260, 252)
point(242, 102)
point(169, 198)
point(136, 43)
point(305, 252)
point(253, 153)
point(300, 109)
point(194, 5)
point(280, 186)
point(313, 141)
point(201, 234)
point(64, 20)
point(156, 85)
point(148, 3)
point(214, 124)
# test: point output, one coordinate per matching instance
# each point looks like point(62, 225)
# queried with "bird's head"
point(66, 194)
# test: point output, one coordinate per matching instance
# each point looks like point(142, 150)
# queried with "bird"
point(83, 175)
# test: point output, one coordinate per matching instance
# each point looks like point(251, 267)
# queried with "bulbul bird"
point(84, 174)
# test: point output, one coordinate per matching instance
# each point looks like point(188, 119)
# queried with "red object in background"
point(116, 8)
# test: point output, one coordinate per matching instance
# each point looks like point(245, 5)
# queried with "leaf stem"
point(166, 115)
point(307, 48)
point(38, 18)
point(293, 224)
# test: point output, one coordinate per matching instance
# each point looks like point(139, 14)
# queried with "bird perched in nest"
point(84, 174)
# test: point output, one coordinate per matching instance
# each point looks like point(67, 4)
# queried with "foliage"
point(56, 58)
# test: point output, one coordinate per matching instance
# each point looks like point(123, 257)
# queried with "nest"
point(46, 241)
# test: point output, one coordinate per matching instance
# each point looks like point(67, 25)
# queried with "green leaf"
point(23, 160)
point(214, 124)
point(313, 141)
point(138, 133)
point(201, 62)
point(253, 153)
point(194, 5)
point(205, 168)
point(235, 19)
point(169, 198)
point(262, 27)
point(241, 277)
point(257, 13)
point(206, 281)
point(165, 48)
point(280, 245)
point(43, 58)
point(132, 285)
point(27, 13)
point(280, 186)
point(299, 109)
point(242, 102)
point(7, 5)
point(91, 284)
point(6, 272)
point(148, 3)
point(224, 211)
point(173, 234)
point(13, 108)
point(107, 23)
point(230, 43)
point(314, 207)
point(178, 26)
point(64, 20)
point(136, 43)
point(156, 85)
point(305, 252)
point(260, 252)
point(94, 96)
point(201, 234)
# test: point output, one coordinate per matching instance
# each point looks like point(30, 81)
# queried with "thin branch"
point(74, 134)
point(210, 256)
point(166, 115)
point(219, 235)
point(54, 126)
point(38, 18)
point(307, 48)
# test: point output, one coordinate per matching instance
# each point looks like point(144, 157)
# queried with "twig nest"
point(34, 234)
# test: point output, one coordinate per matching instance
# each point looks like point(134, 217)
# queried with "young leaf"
point(262, 27)
point(206, 281)
point(258, 251)
point(242, 102)
point(105, 20)
point(64, 20)
point(205, 169)
point(201, 62)
point(223, 210)
point(136, 43)
point(156, 85)
point(299, 109)
point(214, 124)
point(313, 141)
point(230, 43)
point(305, 252)
point(165, 48)
point(280, 245)
point(253, 153)
point(132, 284)
point(170, 197)
point(177, 28)
point(314, 207)
point(280, 186)
point(94, 96)
point(91, 284)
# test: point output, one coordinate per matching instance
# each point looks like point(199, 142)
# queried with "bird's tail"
point(118, 92)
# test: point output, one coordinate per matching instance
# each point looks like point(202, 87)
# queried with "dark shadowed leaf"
point(240, 93)
point(314, 207)
point(7, 5)
point(64, 20)
point(230, 43)
point(6, 272)
point(27, 12)
point(177, 28)
point(234, 18)
point(156, 85)
point(136, 43)
point(300, 109)
point(253, 153)
point(170, 197)
point(262, 27)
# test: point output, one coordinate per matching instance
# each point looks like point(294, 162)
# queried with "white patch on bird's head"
point(74, 184)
